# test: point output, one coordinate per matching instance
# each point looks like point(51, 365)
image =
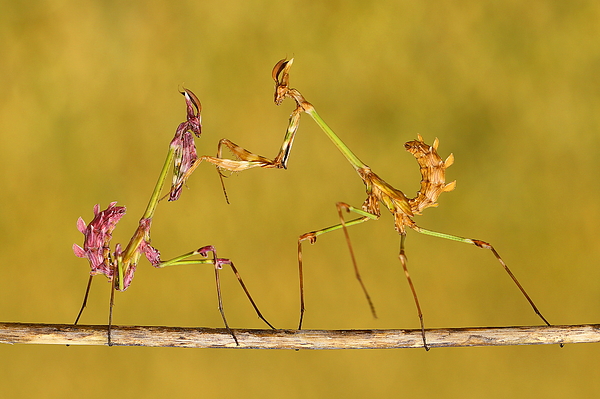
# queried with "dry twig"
point(66, 334)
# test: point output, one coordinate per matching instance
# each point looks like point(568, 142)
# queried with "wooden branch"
point(66, 334)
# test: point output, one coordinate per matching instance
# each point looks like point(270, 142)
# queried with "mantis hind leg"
point(404, 261)
point(110, 312)
point(312, 238)
point(485, 245)
point(85, 299)
point(110, 308)
point(218, 264)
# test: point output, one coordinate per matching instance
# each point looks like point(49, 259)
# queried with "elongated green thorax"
point(347, 152)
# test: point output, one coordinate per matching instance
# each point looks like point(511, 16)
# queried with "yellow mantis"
point(379, 192)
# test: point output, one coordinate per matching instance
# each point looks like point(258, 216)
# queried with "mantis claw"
point(343, 206)
point(481, 244)
point(311, 237)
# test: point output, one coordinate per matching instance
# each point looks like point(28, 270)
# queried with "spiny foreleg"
point(247, 160)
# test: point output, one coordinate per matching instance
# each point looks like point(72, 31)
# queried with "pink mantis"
point(120, 265)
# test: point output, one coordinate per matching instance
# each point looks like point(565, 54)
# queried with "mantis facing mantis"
point(120, 266)
point(378, 190)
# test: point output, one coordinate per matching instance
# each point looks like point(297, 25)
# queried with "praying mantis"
point(379, 192)
point(120, 265)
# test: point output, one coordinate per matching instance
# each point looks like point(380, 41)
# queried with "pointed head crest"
point(281, 77)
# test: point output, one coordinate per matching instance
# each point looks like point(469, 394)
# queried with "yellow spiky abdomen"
point(433, 174)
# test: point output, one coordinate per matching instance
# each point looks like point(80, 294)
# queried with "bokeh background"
point(89, 102)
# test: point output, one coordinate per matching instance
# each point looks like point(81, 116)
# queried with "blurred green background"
point(89, 103)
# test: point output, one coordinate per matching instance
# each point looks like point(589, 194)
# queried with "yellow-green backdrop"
point(89, 103)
